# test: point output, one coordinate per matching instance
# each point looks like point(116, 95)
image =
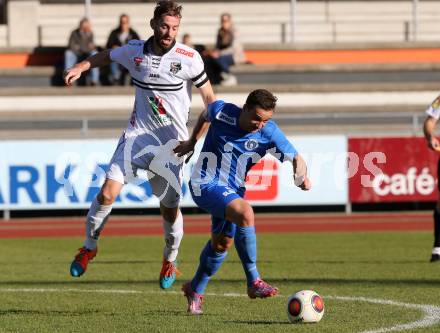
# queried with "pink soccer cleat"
point(195, 300)
point(261, 289)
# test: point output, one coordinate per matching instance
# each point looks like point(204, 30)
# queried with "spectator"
point(119, 37)
point(212, 66)
point(81, 46)
point(228, 49)
point(186, 39)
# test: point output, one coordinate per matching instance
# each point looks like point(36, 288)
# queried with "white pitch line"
point(431, 312)
point(430, 318)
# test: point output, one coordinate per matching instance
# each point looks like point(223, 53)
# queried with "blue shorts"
point(214, 199)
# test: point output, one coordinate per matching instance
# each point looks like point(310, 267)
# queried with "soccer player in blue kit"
point(237, 139)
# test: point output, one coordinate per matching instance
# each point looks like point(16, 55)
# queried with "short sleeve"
point(214, 109)
point(120, 55)
point(197, 71)
point(283, 148)
point(434, 109)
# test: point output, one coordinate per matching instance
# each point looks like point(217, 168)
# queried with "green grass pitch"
point(38, 295)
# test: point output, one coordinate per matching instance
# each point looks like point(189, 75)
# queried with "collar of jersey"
point(148, 49)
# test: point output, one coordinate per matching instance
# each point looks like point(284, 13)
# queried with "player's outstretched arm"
point(187, 147)
point(74, 73)
point(428, 131)
point(202, 125)
point(300, 173)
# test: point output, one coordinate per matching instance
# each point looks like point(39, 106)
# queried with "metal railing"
point(85, 124)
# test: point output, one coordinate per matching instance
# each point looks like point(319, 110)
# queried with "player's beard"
point(164, 49)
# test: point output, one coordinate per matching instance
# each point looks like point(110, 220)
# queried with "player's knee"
point(169, 214)
point(106, 196)
point(222, 244)
point(247, 217)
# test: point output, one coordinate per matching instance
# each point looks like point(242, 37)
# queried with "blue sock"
point(246, 245)
point(210, 262)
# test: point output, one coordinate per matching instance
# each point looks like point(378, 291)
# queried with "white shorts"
point(163, 167)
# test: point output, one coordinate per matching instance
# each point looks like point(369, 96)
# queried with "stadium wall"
point(257, 21)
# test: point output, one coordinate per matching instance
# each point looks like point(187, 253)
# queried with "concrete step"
point(243, 88)
point(417, 73)
point(302, 121)
point(105, 103)
point(258, 22)
point(3, 35)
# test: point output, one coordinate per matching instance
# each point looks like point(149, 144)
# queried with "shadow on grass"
point(46, 312)
point(238, 262)
point(258, 322)
point(126, 262)
point(168, 313)
point(154, 283)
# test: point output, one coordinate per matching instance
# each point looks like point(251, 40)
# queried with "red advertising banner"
point(391, 170)
point(262, 181)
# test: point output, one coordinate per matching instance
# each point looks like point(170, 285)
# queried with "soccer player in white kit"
point(163, 72)
point(432, 117)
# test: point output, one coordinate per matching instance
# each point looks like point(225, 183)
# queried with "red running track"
point(200, 224)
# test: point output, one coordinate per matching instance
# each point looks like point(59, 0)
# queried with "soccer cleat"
point(168, 274)
point(261, 289)
point(79, 264)
point(434, 257)
point(195, 300)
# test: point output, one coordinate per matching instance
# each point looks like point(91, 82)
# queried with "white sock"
point(173, 236)
point(96, 219)
point(436, 250)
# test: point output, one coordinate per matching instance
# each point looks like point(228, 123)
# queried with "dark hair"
point(261, 98)
point(228, 15)
point(83, 20)
point(165, 7)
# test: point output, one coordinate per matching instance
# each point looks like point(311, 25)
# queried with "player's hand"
point(71, 75)
point(185, 148)
point(434, 144)
point(306, 185)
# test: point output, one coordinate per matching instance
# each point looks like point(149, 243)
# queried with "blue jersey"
point(230, 152)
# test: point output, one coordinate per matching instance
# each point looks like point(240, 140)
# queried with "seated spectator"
point(81, 46)
point(212, 67)
point(186, 39)
point(119, 37)
point(228, 49)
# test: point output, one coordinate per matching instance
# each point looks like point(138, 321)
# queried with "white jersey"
point(434, 109)
point(163, 87)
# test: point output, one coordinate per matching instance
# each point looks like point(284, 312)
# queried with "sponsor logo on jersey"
point(155, 62)
point(251, 144)
point(137, 62)
point(175, 67)
point(154, 76)
point(185, 52)
point(226, 119)
point(159, 112)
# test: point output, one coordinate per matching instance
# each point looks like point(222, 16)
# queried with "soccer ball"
point(305, 306)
